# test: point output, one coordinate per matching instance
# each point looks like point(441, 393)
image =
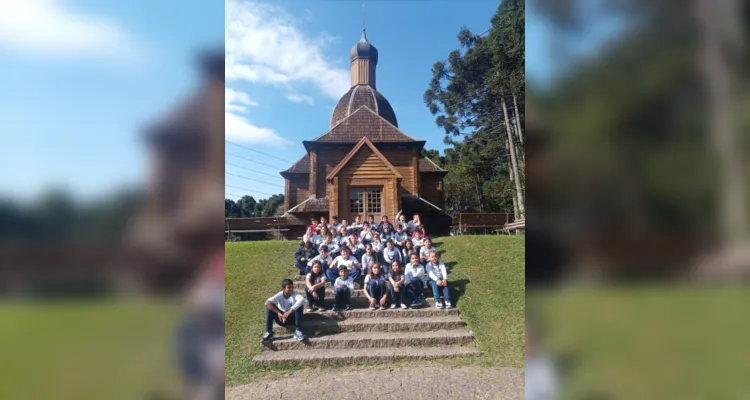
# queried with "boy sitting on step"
point(400, 237)
point(391, 254)
point(304, 254)
point(438, 280)
point(414, 280)
point(375, 287)
point(347, 261)
point(333, 247)
point(342, 290)
point(285, 308)
point(396, 285)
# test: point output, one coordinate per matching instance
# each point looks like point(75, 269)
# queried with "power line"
point(249, 190)
point(259, 152)
point(232, 194)
point(251, 179)
point(252, 170)
point(257, 162)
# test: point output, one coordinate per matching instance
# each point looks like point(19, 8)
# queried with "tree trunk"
point(721, 41)
point(479, 194)
point(518, 120)
point(513, 160)
point(510, 173)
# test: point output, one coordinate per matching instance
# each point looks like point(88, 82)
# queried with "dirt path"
point(416, 381)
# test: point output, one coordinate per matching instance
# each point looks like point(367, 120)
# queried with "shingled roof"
point(302, 166)
point(427, 165)
point(364, 122)
point(311, 205)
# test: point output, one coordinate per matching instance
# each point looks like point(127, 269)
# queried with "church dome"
point(363, 95)
point(363, 49)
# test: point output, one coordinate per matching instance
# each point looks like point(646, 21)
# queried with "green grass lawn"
point(647, 342)
point(93, 349)
point(486, 275)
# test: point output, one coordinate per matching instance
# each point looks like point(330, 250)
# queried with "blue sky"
point(81, 78)
point(288, 64)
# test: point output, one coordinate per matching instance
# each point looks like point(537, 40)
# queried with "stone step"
point(362, 302)
point(352, 340)
point(358, 355)
point(364, 312)
point(392, 324)
point(355, 293)
point(301, 285)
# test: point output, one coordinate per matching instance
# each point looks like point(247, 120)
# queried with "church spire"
point(364, 59)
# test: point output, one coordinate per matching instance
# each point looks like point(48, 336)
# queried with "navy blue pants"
point(416, 292)
point(295, 318)
point(321, 291)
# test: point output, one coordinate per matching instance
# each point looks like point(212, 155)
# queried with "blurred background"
point(637, 188)
point(111, 174)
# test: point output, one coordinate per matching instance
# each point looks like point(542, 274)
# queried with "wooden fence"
point(464, 223)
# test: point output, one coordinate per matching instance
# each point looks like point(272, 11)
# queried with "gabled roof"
point(302, 166)
point(364, 142)
point(365, 122)
point(311, 205)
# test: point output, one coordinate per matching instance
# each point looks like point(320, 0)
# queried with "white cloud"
point(264, 45)
point(299, 98)
point(239, 129)
point(50, 27)
point(237, 101)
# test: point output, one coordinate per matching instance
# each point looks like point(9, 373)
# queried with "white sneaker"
point(448, 305)
point(403, 306)
point(372, 307)
point(393, 306)
point(438, 304)
point(308, 309)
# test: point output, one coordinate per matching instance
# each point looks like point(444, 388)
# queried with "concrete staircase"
point(364, 335)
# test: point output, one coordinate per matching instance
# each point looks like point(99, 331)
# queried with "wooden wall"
point(404, 162)
point(429, 190)
point(328, 158)
point(299, 189)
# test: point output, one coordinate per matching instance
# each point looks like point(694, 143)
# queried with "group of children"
point(391, 262)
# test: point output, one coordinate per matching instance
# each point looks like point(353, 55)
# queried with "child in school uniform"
point(424, 251)
point(375, 287)
point(387, 233)
point(391, 254)
point(342, 290)
point(414, 280)
point(323, 223)
point(324, 258)
point(316, 287)
point(345, 225)
point(383, 223)
point(357, 225)
point(355, 245)
point(304, 254)
point(342, 237)
point(324, 231)
point(351, 264)
point(377, 245)
point(314, 224)
point(412, 225)
point(317, 239)
point(307, 237)
point(400, 237)
point(333, 247)
point(438, 280)
point(335, 224)
point(417, 240)
point(369, 258)
point(397, 285)
point(371, 221)
point(285, 307)
point(408, 249)
point(366, 234)
point(401, 220)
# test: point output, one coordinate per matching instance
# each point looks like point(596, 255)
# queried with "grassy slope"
point(87, 349)
point(486, 274)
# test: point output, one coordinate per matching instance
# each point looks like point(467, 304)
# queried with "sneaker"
point(403, 306)
point(393, 306)
point(335, 308)
point(309, 309)
point(416, 304)
point(448, 305)
point(348, 307)
point(438, 304)
point(373, 307)
point(299, 335)
point(321, 309)
point(266, 337)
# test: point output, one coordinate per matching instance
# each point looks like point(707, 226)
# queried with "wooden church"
point(364, 164)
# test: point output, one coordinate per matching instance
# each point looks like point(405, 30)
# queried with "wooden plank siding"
point(299, 189)
point(429, 190)
point(402, 160)
point(328, 158)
